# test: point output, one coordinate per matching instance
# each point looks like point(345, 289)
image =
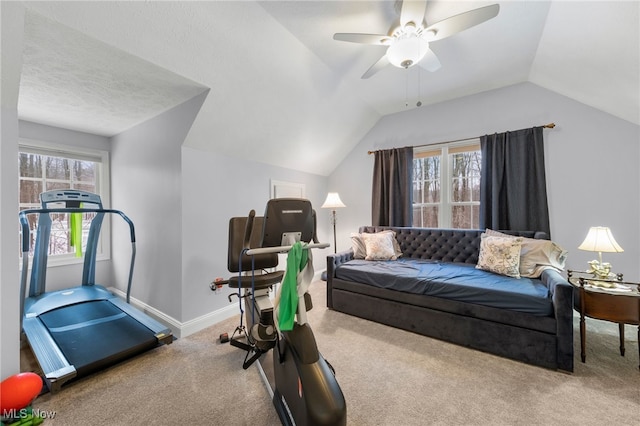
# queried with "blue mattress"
point(456, 281)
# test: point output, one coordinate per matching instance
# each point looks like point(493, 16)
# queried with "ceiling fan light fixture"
point(406, 52)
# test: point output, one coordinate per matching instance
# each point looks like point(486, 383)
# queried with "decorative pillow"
point(543, 255)
point(500, 255)
point(537, 255)
point(360, 249)
point(380, 246)
point(357, 244)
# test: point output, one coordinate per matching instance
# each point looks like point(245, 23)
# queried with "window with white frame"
point(43, 167)
point(446, 185)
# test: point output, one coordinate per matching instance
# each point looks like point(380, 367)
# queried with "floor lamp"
point(333, 202)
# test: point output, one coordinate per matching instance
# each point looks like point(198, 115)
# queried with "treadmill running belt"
point(95, 334)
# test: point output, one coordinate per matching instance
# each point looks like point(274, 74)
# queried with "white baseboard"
point(165, 319)
point(181, 329)
point(207, 320)
point(184, 329)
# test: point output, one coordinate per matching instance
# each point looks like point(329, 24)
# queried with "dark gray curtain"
point(513, 189)
point(392, 197)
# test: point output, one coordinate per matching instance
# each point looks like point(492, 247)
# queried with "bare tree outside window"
point(39, 173)
point(465, 190)
point(426, 191)
point(446, 194)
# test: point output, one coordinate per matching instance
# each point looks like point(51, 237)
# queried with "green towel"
point(296, 261)
point(76, 232)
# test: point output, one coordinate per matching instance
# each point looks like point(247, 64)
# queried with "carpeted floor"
point(388, 377)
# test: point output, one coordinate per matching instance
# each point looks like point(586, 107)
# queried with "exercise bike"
point(304, 387)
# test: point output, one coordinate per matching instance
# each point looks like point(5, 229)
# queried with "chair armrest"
point(333, 261)
point(562, 296)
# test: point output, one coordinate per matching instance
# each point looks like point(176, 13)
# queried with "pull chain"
point(419, 103)
point(406, 89)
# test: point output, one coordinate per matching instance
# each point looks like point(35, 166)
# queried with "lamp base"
point(600, 270)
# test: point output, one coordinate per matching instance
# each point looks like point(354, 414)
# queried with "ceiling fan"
point(408, 44)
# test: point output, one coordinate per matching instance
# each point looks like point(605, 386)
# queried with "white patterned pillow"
point(380, 246)
point(500, 255)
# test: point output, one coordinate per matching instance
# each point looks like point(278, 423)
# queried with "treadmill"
point(79, 330)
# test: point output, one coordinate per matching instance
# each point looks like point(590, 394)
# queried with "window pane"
point(418, 191)
point(461, 217)
point(460, 190)
point(57, 185)
point(432, 168)
point(475, 188)
point(465, 217)
point(87, 187)
point(59, 240)
point(59, 173)
point(84, 171)
point(57, 168)
point(432, 192)
point(425, 216)
point(426, 176)
point(453, 186)
point(30, 191)
point(30, 165)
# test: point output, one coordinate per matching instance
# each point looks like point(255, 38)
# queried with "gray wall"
point(180, 200)
point(216, 188)
point(146, 183)
point(591, 163)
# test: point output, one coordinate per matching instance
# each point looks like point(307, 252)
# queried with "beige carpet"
point(388, 377)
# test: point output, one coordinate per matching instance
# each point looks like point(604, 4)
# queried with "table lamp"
point(333, 202)
point(600, 239)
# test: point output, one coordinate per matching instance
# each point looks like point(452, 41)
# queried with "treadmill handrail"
point(22, 215)
point(283, 249)
point(23, 219)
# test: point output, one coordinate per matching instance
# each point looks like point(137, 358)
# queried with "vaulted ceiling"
point(282, 91)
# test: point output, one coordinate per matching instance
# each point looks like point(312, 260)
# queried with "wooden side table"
point(615, 305)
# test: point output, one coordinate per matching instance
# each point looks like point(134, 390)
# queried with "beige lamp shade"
point(600, 239)
point(333, 201)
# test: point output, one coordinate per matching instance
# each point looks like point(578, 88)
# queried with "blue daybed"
point(435, 289)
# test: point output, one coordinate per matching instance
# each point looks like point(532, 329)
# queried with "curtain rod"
point(546, 126)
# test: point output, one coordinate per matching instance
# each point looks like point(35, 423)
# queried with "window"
point(446, 186)
point(45, 168)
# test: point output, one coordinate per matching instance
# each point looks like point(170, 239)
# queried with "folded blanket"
point(288, 304)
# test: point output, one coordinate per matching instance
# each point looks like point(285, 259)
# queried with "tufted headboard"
point(448, 245)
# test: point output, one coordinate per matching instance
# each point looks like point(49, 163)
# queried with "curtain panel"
point(392, 196)
point(513, 189)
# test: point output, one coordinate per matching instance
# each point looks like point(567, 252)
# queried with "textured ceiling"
point(282, 91)
point(74, 81)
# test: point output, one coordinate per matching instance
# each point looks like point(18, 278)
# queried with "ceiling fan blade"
point(382, 62)
point(413, 11)
point(430, 62)
point(361, 38)
point(461, 22)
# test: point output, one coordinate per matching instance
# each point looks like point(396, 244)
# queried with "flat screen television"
point(287, 220)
